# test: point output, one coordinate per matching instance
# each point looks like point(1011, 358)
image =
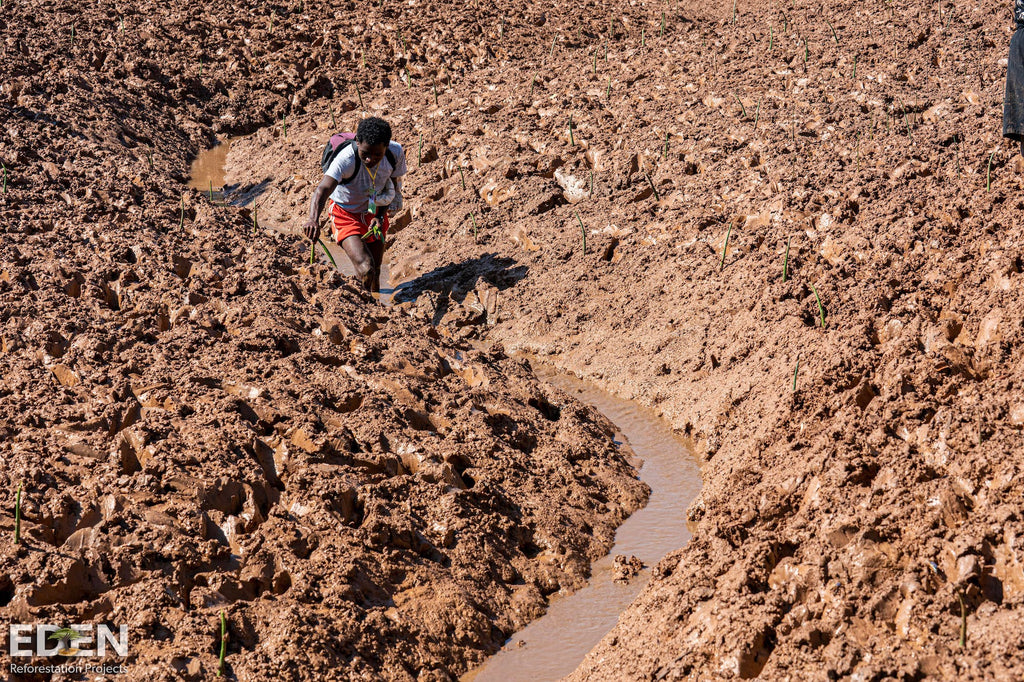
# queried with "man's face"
point(371, 154)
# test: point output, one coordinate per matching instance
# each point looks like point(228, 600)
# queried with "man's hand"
point(311, 229)
point(373, 231)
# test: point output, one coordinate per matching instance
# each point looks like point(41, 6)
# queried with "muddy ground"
point(802, 246)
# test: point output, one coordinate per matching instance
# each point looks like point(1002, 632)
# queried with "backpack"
point(334, 147)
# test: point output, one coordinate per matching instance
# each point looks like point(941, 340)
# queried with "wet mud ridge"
point(792, 231)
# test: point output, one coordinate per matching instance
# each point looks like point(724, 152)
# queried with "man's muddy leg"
point(377, 252)
point(362, 260)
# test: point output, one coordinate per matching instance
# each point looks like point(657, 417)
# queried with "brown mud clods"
point(203, 422)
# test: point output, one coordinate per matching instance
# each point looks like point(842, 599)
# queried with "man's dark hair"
point(373, 131)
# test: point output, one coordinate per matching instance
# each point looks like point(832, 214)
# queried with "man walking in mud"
point(363, 181)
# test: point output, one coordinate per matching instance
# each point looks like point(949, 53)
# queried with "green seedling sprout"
point(988, 181)
point(462, 176)
point(795, 372)
point(532, 83)
point(360, 96)
point(906, 122)
point(572, 140)
point(284, 125)
point(807, 53)
point(725, 247)
point(551, 53)
point(821, 308)
point(785, 261)
point(255, 219)
point(595, 62)
point(181, 224)
point(854, 67)
point(328, 252)
point(643, 37)
point(434, 87)
point(312, 252)
point(771, 38)
point(405, 48)
point(72, 35)
point(662, 33)
point(742, 108)
point(653, 188)
point(583, 230)
point(223, 643)
point(472, 216)
point(149, 157)
point(834, 36)
point(608, 92)
point(200, 67)
point(734, 11)
point(17, 517)
point(122, 24)
point(591, 183)
point(501, 31)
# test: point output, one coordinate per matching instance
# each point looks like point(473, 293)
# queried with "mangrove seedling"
point(795, 372)
point(785, 261)
point(5, 175)
point(462, 176)
point(834, 36)
point(988, 180)
point(653, 188)
point(583, 230)
point(328, 252)
point(591, 183)
point(771, 38)
point(284, 125)
point(742, 108)
point(643, 37)
point(360, 96)
point(472, 216)
point(17, 517)
point(725, 247)
point(572, 140)
point(821, 308)
point(255, 219)
point(662, 33)
point(608, 92)
point(963, 619)
point(181, 223)
point(854, 77)
point(223, 643)
point(734, 11)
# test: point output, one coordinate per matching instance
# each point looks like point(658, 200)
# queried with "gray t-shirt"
point(354, 197)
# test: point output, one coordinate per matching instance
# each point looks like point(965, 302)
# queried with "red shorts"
point(347, 224)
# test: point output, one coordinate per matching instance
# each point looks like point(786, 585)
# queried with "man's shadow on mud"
point(453, 282)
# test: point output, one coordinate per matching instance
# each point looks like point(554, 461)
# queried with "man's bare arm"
point(316, 205)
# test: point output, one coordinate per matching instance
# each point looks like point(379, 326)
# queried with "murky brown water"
point(207, 171)
point(554, 645)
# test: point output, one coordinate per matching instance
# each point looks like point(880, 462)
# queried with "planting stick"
point(821, 308)
point(583, 230)
point(963, 619)
point(223, 643)
point(653, 188)
point(795, 372)
point(725, 247)
point(785, 261)
point(17, 517)
point(988, 181)
point(462, 176)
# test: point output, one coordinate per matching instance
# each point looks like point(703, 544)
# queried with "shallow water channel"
point(555, 644)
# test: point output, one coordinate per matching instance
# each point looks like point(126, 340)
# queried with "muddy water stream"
point(555, 644)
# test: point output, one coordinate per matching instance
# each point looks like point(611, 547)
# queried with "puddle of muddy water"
point(555, 644)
